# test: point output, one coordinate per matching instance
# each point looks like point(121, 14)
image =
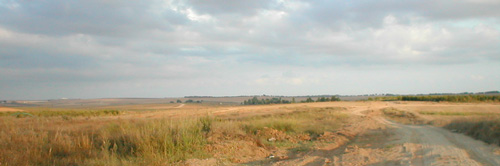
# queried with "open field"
point(138, 102)
point(331, 133)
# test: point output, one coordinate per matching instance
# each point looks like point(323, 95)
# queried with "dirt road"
point(400, 144)
point(180, 106)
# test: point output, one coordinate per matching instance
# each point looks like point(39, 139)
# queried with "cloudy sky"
point(165, 48)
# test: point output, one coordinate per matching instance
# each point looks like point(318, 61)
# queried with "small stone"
point(272, 139)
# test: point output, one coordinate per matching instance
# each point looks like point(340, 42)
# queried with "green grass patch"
point(310, 120)
point(292, 129)
point(449, 113)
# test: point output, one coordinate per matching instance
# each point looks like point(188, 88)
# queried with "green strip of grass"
point(446, 113)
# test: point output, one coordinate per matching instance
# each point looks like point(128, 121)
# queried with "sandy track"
point(6, 109)
point(180, 106)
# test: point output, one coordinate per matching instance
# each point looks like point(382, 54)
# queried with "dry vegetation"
point(66, 113)
point(50, 138)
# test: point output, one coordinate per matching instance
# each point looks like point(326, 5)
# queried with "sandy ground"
point(400, 144)
point(6, 109)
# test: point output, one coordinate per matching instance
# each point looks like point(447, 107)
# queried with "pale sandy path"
point(6, 109)
point(180, 106)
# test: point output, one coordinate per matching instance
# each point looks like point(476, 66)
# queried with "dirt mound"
point(238, 151)
point(404, 117)
point(277, 135)
point(201, 162)
point(245, 148)
point(236, 148)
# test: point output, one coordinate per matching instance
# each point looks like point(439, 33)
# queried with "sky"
point(52, 49)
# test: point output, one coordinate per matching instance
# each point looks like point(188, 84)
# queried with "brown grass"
point(55, 140)
point(38, 141)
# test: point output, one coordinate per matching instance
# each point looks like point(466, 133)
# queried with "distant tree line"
point(321, 99)
point(192, 101)
point(448, 98)
point(256, 101)
point(188, 101)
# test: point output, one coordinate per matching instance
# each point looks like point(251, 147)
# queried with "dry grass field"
point(331, 133)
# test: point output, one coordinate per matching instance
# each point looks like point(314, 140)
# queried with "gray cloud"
point(103, 18)
point(215, 7)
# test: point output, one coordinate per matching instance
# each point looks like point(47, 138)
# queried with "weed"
point(302, 148)
point(206, 124)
